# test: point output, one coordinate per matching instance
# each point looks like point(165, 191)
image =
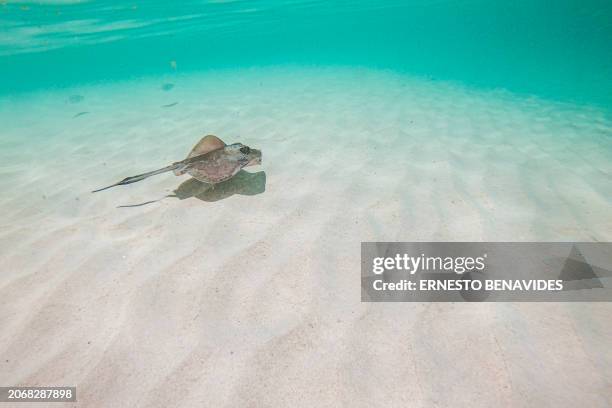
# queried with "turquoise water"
point(377, 121)
point(559, 50)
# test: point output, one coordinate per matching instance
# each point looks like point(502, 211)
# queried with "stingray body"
point(210, 161)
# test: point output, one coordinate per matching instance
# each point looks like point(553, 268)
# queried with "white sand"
point(255, 300)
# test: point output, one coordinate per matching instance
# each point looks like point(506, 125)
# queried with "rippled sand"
point(246, 297)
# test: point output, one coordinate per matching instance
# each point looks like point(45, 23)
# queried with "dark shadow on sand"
point(243, 183)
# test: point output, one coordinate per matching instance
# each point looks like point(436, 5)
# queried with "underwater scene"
point(251, 147)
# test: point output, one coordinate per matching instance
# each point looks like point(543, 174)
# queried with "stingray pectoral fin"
point(207, 144)
point(133, 179)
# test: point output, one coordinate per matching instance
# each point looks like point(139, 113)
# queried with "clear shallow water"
point(253, 300)
point(416, 121)
point(79, 75)
point(433, 159)
point(558, 50)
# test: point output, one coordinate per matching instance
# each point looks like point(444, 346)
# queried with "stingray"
point(210, 161)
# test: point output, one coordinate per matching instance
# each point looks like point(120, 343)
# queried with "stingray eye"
point(245, 150)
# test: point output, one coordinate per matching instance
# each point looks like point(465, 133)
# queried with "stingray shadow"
point(243, 183)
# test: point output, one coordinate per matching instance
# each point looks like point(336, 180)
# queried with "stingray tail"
point(133, 179)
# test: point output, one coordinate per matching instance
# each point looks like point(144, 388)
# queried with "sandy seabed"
point(249, 294)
